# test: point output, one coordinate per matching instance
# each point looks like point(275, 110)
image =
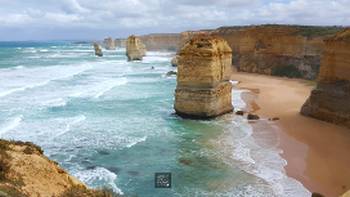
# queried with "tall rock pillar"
point(135, 49)
point(330, 101)
point(203, 88)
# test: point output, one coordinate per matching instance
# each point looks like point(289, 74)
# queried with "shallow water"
point(110, 123)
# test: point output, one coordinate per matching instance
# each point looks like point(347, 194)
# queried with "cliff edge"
point(330, 100)
point(25, 171)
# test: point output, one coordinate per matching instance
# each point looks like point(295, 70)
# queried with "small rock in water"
point(133, 173)
point(170, 73)
point(274, 119)
point(98, 49)
point(186, 162)
point(152, 67)
point(253, 117)
point(240, 113)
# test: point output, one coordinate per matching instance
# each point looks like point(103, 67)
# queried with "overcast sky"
point(95, 19)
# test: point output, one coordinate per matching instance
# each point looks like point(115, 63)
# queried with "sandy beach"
point(317, 152)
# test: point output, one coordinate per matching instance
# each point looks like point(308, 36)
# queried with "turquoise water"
point(111, 124)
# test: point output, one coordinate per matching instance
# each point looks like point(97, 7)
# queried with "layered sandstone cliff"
point(98, 49)
point(109, 44)
point(161, 42)
point(25, 171)
point(280, 50)
point(135, 49)
point(204, 67)
point(330, 101)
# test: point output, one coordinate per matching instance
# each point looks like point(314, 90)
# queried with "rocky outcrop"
point(98, 49)
point(25, 171)
point(161, 42)
point(330, 101)
point(135, 49)
point(204, 67)
point(109, 44)
point(279, 50)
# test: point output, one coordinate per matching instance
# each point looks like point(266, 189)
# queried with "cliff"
point(204, 68)
point(161, 42)
point(279, 50)
point(109, 44)
point(25, 171)
point(135, 49)
point(330, 101)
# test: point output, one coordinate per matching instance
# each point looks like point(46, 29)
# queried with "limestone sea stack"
point(98, 49)
point(204, 67)
point(109, 44)
point(330, 101)
point(135, 49)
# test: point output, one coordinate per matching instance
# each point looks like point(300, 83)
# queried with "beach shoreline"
point(315, 150)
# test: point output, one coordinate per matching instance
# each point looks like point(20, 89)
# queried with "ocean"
point(111, 123)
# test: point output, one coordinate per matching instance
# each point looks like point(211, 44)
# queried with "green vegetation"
point(315, 31)
point(290, 71)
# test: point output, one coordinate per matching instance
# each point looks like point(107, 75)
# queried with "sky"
point(96, 19)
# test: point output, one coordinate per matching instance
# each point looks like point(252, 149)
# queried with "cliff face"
point(204, 67)
point(292, 51)
point(161, 42)
point(135, 49)
point(109, 44)
point(330, 101)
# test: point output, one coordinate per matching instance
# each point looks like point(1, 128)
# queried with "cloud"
point(95, 19)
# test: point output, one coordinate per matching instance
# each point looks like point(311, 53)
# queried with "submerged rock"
point(135, 49)
point(330, 100)
point(204, 67)
point(98, 49)
point(109, 43)
point(253, 117)
point(170, 73)
point(240, 113)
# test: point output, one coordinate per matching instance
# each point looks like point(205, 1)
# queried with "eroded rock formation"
point(280, 50)
point(98, 49)
point(330, 101)
point(109, 44)
point(25, 171)
point(204, 67)
point(135, 49)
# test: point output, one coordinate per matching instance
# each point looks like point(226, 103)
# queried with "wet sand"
point(317, 152)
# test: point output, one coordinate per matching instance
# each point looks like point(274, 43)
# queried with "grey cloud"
point(85, 19)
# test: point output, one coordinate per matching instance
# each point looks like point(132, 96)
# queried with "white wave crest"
point(97, 176)
point(10, 125)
